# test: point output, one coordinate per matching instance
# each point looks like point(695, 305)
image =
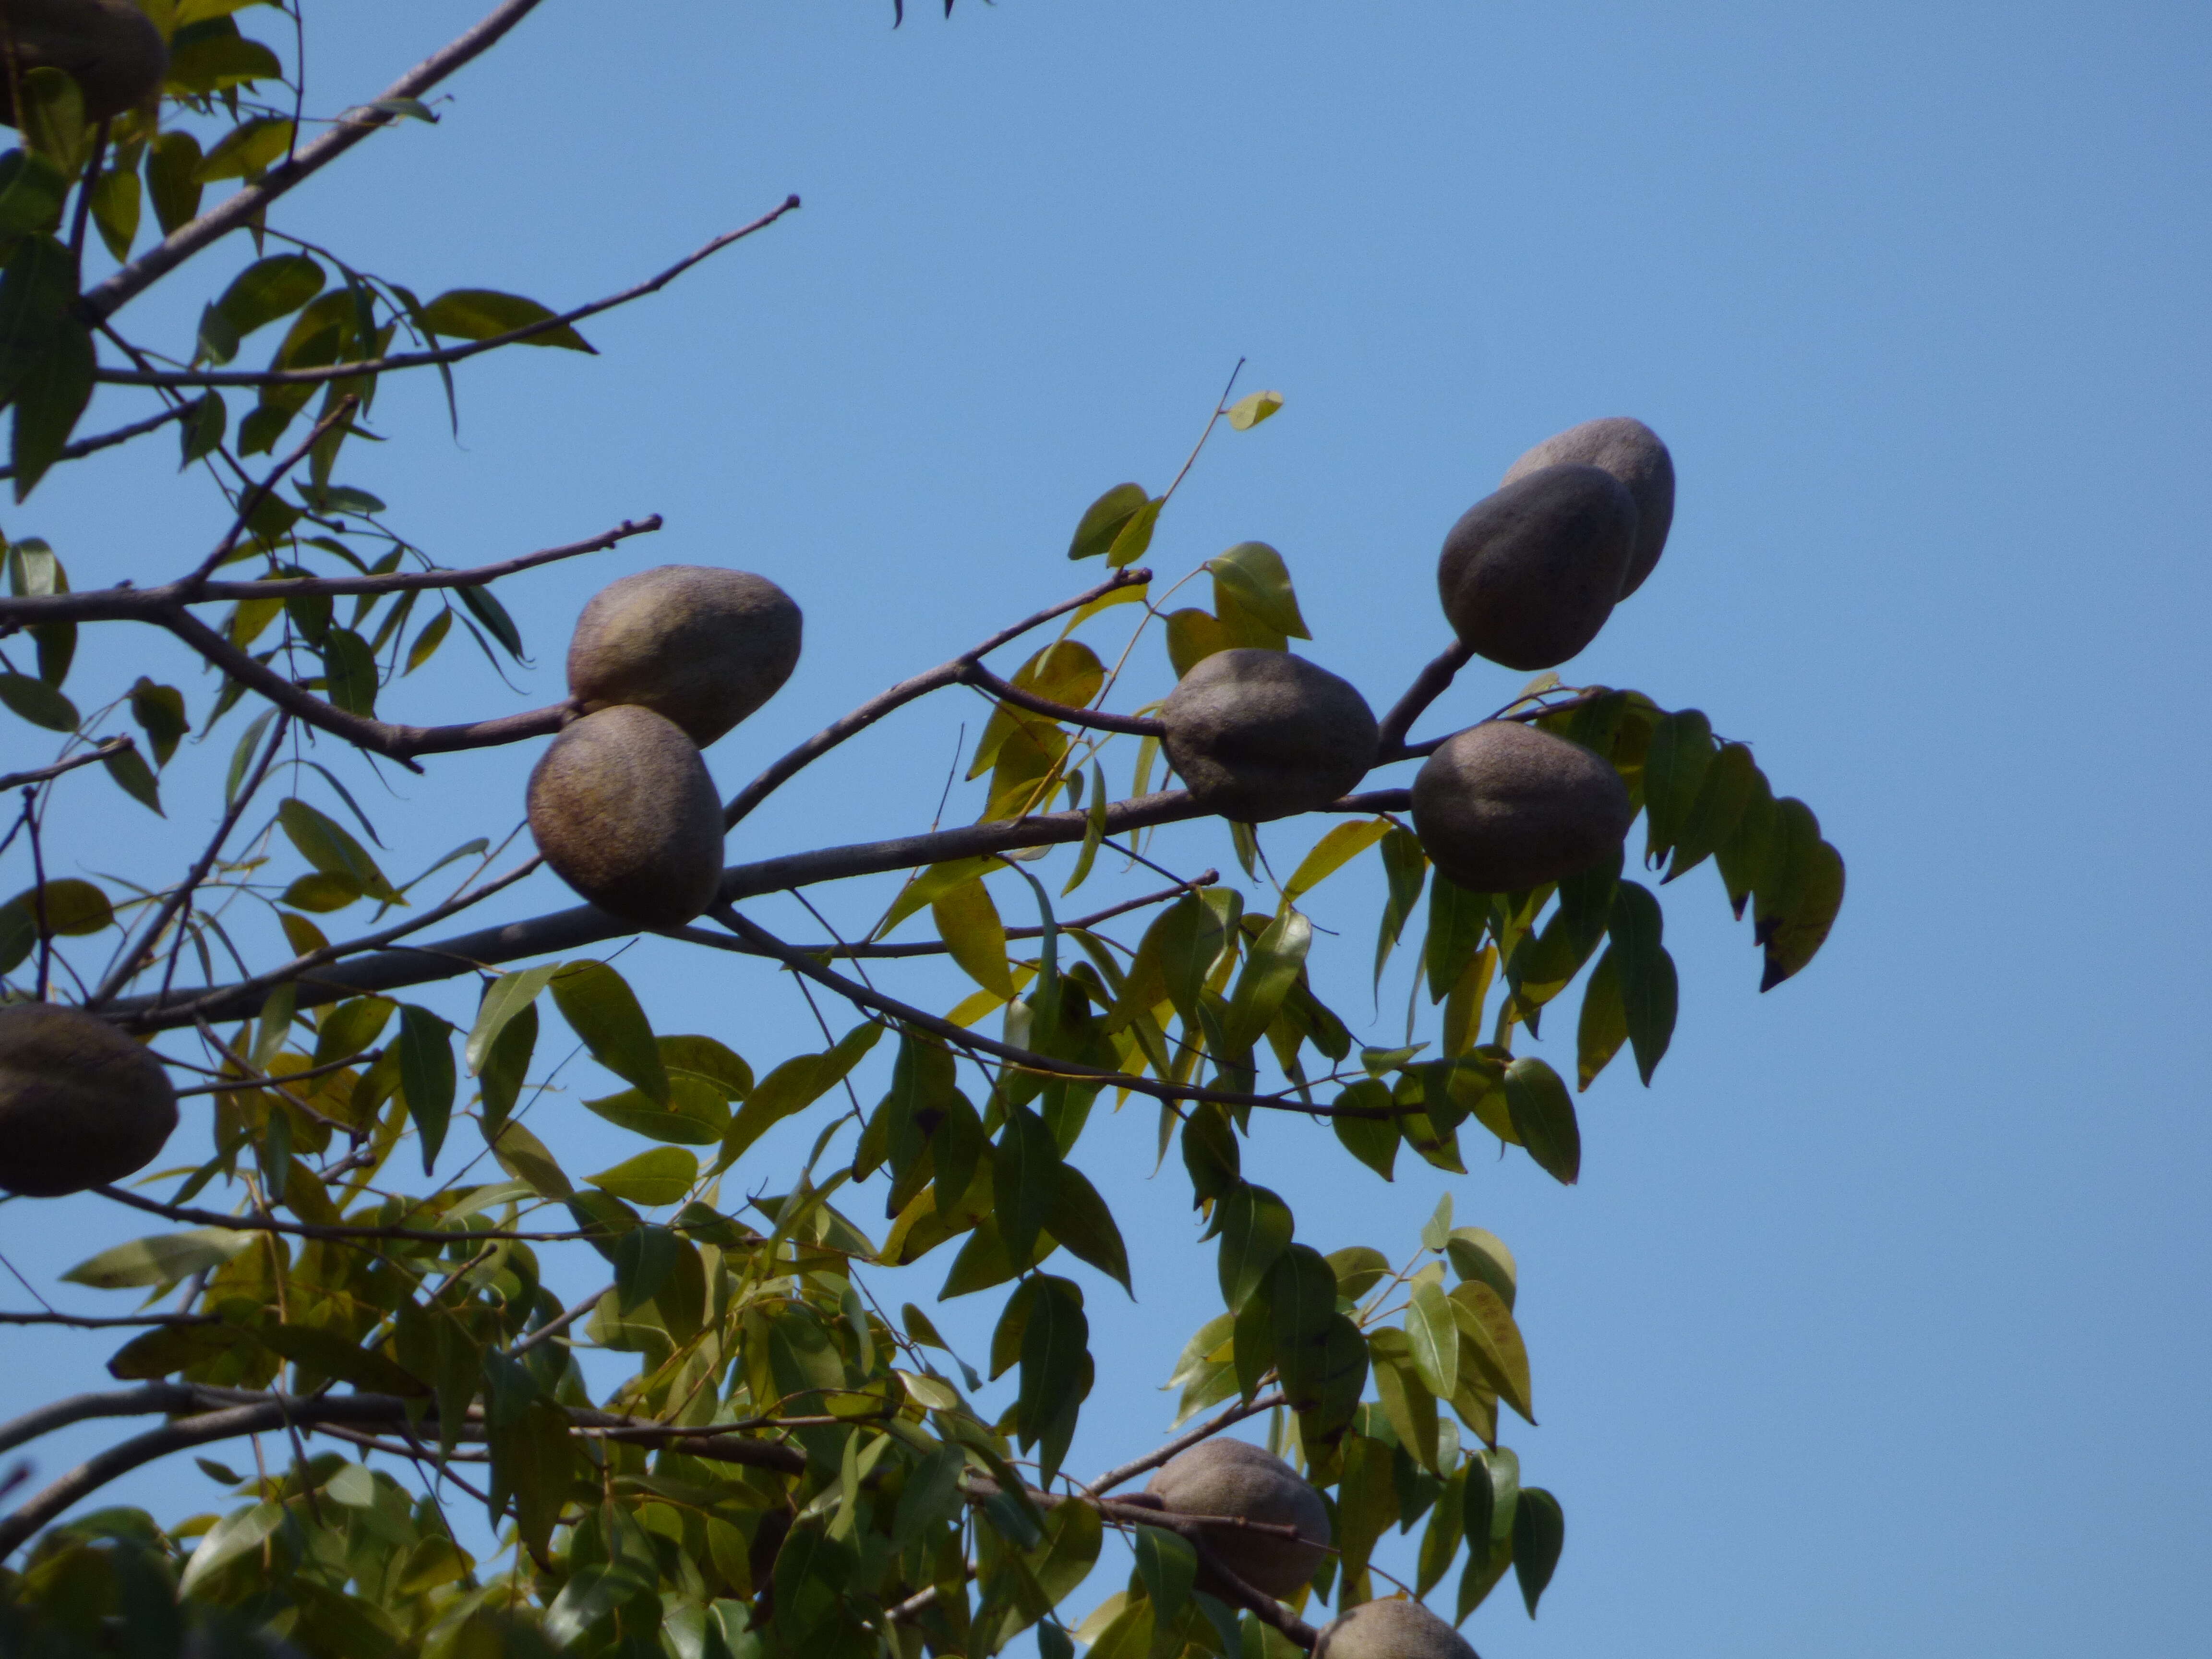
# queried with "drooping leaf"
point(602, 1010)
point(1645, 973)
point(1254, 1226)
point(1539, 1533)
point(1544, 1117)
point(1254, 574)
point(425, 1074)
point(330, 848)
point(481, 314)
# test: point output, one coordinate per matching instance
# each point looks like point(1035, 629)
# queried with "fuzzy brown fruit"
point(80, 1104)
point(1633, 454)
point(701, 647)
point(111, 48)
point(1530, 573)
point(1502, 807)
point(623, 809)
point(1262, 734)
point(1395, 1629)
point(1234, 1477)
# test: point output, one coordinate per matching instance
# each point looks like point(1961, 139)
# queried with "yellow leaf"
point(969, 924)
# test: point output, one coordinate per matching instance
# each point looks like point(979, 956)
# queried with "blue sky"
point(1877, 1324)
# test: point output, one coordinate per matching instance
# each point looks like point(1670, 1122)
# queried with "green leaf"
point(602, 1010)
point(1603, 1025)
point(160, 711)
point(1255, 1227)
point(1800, 927)
point(1435, 1338)
point(967, 921)
point(32, 191)
point(162, 1259)
point(1250, 410)
point(1729, 785)
point(1372, 1140)
point(1024, 1180)
point(928, 886)
point(1272, 965)
point(1645, 973)
point(1301, 1307)
point(1168, 1567)
point(116, 203)
point(1543, 1116)
point(350, 671)
point(794, 1086)
point(1495, 1341)
point(52, 116)
point(51, 393)
point(506, 997)
point(1253, 574)
point(228, 1539)
point(428, 642)
point(1105, 518)
point(208, 63)
point(481, 314)
point(322, 1354)
point(1539, 1533)
point(1083, 1224)
point(1332, 852)
point(264, 291)
point(663, 1176)
point(493, 615)
point(1457, 920)
point(73, 907)
point(347, 1028)
point(1056, 1370)
point(201, 433)
point(1344, 1378)
point(246, 151)
point(327, 847)
point(172, 165)
point(1135, 537)
point(1406, 867)
point(1475, 1253)
point(527, 1158)
point(697, 1113)
point(1674, 767)
point(133, 777)
point(426, 1076)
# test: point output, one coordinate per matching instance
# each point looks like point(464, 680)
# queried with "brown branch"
point(937, 947)
point(39, 774)
point(339, 414)
point(906, 691)
point(148, 605)
point(1205, 1431)
point(244, 207)
point(583, 925)
point(1428, 685)
point(155, 1398)
point(122, 435)
point(443, 354)
point(976, 675)
point(202, 1006)
point(250, 1224)
point(1046, 1065)
point(84, 1321)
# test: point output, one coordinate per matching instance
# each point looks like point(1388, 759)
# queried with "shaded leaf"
point(1104, 519)
point(602, 1010)
point(1544, 1117)
point(1254, 574)
point(481, 314)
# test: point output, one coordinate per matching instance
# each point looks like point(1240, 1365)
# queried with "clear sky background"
point(1876, 1325)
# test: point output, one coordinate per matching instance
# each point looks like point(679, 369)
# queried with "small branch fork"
point(99, 751)
point(196, 377)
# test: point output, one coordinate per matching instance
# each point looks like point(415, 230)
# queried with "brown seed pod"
point(80, 1104)
point(1633, 454)
point(1261, 734)
point(701, 647)
point(1502, 807)
point(1395, 1629)
point(1529, 574)
point(1234, 1477)
point(623, 809)
point(111, 48)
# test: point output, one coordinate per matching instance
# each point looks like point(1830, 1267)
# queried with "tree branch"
point(122, 435)
point(254, 1224)
point(1098, 719)
point(150, 605)
point(244, 207)
point(189, 377)
point(1428, 685)
point(1205, 1431)
point(937, 947)
point(906, 691)
point(39, 774)
point(1047, 1065)
point(155, 1397)
point(339, 414)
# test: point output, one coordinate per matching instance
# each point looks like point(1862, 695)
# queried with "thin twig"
point(233, 1084)
point(976, 675)
point(39, 774)
point(443, 354)
point(1205, 1431)
point(904, 692)
point(250, 503)
point(122, 435)
point(127, 604)
point(245, 206)
point(85, 1321)
point(553, 1327)
point(249, 1223)
point(126, 964)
